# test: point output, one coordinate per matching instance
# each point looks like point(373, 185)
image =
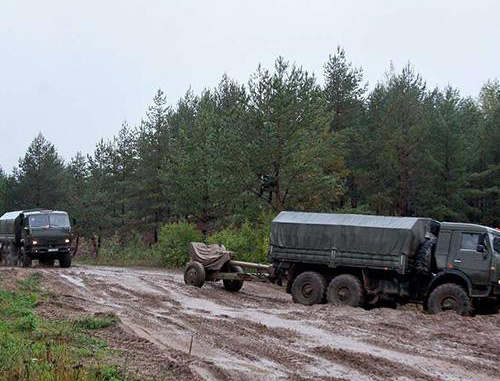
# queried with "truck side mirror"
point(480, 248)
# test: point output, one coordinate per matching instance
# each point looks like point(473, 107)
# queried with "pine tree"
point(283, 144)
point(447, 157)
point(483, 192)
point(344, 92)
point(398, 124)
point(40, 176)
point(3, 192)
point(195, 176)
point(153, 146)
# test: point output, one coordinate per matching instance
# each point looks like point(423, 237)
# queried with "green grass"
point(93, 322)
point(37, 349)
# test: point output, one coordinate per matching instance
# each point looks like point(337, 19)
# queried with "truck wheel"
point(450, 297)
point(345, 290)
point(233, 285)
point(308, 288)
point(14, 256)
point(47, 262)
point(65, 260)
point(194, 274)
point(26, 260)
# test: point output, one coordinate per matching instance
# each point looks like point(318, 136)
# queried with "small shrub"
point(130, 250)
point(109, 373)
point(172, 248)
point(249, 242)
point(95, 322)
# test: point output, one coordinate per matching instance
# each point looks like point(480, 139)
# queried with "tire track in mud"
point(259, 334)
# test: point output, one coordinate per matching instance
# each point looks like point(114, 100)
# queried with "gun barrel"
point(251, 265)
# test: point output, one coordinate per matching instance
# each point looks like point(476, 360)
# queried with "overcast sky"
point(75, 70)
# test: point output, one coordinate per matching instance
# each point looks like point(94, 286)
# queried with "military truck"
point(44, 235)
point(356, 260)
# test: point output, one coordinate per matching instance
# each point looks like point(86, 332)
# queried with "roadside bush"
point(131, 251)
point(249, 242)
point(172, 248)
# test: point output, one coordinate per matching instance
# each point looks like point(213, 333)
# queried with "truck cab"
point(469, 255)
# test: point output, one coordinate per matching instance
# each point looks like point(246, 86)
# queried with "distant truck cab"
point(360, 259)
point(43, 235)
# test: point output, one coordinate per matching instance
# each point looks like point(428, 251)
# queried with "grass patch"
point(37, 349)
point(95, 322)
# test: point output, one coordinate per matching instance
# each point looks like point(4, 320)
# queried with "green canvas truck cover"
point(7, 224)
point(346, 239)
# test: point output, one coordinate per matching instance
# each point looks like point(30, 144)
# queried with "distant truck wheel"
point(450, 297)
point(194, 274)
point(65, 260)
point(47, 262)
point(308, 288)
point(26, 259)
point(233, 285)
point(345, 290)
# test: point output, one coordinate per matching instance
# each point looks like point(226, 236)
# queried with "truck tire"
point(423, 256)
point(47, 262)
point(308, 288)
point(449, 297)
point(65, 260)
point(346, 290)
point(194, 274)
point(233, 285)
point(26, 259)
point(13, 257)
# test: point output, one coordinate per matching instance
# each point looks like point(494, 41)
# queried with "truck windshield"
point(55, 220)
point(59, 220)
point(39, 221)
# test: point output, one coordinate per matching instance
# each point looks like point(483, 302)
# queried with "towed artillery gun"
point(214, 263)
point(355, 260)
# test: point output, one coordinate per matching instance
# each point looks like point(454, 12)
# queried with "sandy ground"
point(260, 334)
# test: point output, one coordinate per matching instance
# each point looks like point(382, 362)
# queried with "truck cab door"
point(465, 256)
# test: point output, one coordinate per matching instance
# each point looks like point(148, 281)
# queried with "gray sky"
point(76, 70)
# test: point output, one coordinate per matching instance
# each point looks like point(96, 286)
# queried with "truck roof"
point(349, 233)
point(348, 220)
point(13, 215)
point(466, 226)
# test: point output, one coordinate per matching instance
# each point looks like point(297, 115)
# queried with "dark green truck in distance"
point(39, 234)
point(358, 259)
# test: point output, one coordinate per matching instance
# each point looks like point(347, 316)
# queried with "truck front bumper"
point(50, 250)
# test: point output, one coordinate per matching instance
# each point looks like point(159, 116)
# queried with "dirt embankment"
point(259, 334)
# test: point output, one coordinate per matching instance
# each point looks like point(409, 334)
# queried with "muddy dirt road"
point(259, 334)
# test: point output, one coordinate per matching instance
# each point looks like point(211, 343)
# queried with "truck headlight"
point(35, 242)
point(66, 240)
